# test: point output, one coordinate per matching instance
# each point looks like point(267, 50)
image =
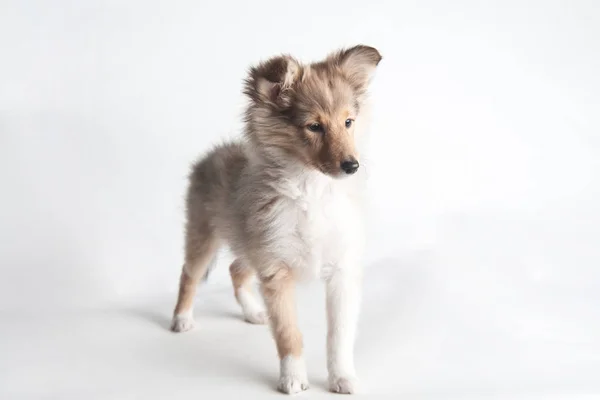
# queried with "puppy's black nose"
point(349, 166)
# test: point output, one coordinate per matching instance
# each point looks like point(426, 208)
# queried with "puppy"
point(287, 201)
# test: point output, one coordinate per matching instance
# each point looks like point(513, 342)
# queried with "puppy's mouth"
point(326, 169)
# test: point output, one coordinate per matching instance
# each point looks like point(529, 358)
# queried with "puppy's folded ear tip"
point(380, 57)
point(358, 62)
point(268, 79)
point(369, 53)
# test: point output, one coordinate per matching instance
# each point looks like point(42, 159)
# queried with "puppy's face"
point(308, 112)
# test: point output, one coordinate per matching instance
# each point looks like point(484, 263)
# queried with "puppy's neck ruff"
point(288, 176)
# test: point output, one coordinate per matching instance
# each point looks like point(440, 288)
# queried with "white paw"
point(291, 384)
point(343, 384)
point(257, 317)
point(182, 323)
point(293, 375)
point(254, 311)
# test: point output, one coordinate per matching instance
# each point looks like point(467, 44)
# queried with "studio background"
point(483, 258)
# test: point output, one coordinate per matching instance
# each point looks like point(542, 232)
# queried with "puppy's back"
point(213, 179)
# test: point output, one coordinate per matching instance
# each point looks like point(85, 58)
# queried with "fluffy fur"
point(287, 201)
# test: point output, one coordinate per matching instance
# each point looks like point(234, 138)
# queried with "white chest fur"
point(318, 225)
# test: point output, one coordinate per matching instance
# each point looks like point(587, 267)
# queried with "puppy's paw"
point(291, 384)
point(343, 384)
point(182, 323)
point(258, 317)
point(293, 375)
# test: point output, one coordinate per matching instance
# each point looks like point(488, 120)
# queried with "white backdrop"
point(485, 144)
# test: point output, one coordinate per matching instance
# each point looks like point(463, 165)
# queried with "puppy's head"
point(308, 112)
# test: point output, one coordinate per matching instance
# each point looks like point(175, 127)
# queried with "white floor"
point(465, 318)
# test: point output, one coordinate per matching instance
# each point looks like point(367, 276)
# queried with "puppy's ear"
point(358, 64)
point(270, 82)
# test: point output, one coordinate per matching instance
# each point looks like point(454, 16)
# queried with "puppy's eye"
point(315, 127)
point(348, 123)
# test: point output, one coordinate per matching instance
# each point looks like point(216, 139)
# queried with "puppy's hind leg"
point(241, 277)
point(201, 248)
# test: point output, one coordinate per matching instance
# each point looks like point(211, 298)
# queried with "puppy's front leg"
point(343, 304)
point(278, 291)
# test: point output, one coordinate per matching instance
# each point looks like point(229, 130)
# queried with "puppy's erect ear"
point(358, 64)
point(270, 81)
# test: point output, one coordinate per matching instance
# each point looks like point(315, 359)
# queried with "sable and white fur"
point(287, 202)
